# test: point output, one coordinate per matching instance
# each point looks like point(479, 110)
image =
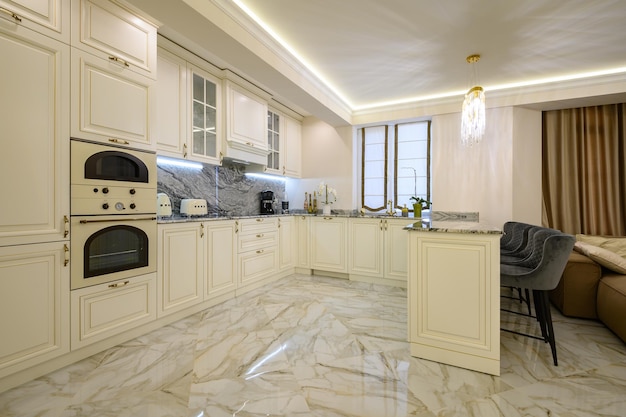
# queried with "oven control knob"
point(119, 206)
point(95, 190)
point(132, 191)
point(105, 206)
point(105, 190)
point(132, 205)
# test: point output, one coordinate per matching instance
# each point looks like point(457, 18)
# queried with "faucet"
point(391, 211)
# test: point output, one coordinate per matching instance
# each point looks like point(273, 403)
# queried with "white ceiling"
point(375, 52)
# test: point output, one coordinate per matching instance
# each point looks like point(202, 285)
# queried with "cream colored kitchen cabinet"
point(288, 243)
point(304, 257)
point(378, 248)
point(171, 105)
point(204, 92)
point(246, 122)
point(284, 144)
point(34, 115)
point(180, 273)
point(221, 241)
point(454, 299)
point(48, 17)
point(34, 305)
point(105, 310)
point(116, 34)
point(257, 249)
point(110, 104)
point(329, 246)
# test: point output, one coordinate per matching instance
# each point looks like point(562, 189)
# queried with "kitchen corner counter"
point(447, 226)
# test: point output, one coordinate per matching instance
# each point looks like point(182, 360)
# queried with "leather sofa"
point(591, 290)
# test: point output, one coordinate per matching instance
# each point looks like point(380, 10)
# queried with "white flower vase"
point(326, 210)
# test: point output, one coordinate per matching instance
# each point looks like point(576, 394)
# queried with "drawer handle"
point(10, 13)
point(328, 218)
point(260, 235)
point(259, 220)
point(119, 284)
point(260, 251)
point(250, 144)
point(123, 142)
point(119, 61)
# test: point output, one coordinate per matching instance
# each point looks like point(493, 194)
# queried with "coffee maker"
point(267, 202)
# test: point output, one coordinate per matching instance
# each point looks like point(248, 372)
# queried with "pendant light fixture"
point(473, 115)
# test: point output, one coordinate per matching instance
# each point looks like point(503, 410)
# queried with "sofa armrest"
point(576, 293)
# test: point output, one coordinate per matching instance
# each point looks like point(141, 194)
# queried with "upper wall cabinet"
point(189, 107)
point(113, 72)
point(48, 17)
point(284, 144)
point(110, 31)
point(246, 123)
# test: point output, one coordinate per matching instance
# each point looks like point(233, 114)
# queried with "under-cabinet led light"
point(266, 176)
point(178, 162)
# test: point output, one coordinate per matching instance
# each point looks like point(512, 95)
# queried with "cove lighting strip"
point(178, 162)
point(266, 177)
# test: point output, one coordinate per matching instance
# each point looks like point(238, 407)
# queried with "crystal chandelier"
point(473, 115)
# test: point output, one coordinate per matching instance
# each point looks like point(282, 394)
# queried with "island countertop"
point(447, 226)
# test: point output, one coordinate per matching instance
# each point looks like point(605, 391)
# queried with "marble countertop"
point(447, 226)
point(177, 218)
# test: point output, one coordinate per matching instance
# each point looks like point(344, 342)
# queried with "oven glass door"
point(109, 248)
point(115, 166)
point(113, 249)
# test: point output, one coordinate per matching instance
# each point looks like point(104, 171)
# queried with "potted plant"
point(419, 204)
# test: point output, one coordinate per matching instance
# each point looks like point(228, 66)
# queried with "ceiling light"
point(473, 114)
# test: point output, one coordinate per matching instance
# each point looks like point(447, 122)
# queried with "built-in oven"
point(113, 213)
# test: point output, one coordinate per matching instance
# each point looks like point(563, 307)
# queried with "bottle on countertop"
point(306, 201)
point(405, 211)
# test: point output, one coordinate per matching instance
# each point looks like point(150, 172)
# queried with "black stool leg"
point(547, 317)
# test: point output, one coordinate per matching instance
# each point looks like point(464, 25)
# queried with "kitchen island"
point(454, 294)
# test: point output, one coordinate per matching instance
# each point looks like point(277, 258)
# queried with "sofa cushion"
point(613, 243)
point(612, 303)
point(604, 257)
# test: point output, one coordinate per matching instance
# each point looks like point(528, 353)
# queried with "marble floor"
point(325, 347)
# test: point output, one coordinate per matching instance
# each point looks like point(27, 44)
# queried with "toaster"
point(193, 207)
point(164, 205)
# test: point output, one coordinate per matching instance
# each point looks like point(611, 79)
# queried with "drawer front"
point(105, 310)
point(258, 225)
point(257, 265)
point(260, 240)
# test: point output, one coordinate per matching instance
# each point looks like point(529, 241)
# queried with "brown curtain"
point(584, 170)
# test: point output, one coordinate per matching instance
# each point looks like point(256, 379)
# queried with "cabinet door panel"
point(109, 102)
point(396, 250)
point(34, 305)
point(34, 163)
point(171, 101)
point(366, 250)
point(328, 244)
point(49, 17)
point(222, 258)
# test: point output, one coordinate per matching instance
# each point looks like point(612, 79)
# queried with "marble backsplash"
point(227, 190)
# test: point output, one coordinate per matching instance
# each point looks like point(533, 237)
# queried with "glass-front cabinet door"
point(273, 142)
point(205, 116)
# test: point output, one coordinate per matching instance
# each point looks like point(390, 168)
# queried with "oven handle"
point(115, 220)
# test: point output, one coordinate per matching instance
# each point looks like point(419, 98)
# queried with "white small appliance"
point(164, 205)
point(193, 207)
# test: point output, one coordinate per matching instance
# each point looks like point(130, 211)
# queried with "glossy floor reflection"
point(324, 347)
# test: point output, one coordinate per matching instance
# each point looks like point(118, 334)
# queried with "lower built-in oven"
point(110, 248)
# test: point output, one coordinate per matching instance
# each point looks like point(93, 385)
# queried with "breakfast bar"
point(454, 293)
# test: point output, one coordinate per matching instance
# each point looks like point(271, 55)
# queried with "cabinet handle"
point(260, 235)
point(221, 157)
point(250, 144)
point(386, 224)
point(381, 225)
point(66, 255)
point(119, 284)
point(260, 251)
point(236, 226)
point(119, 61)
point(185, 150)
point(115, 140)
point(10, 13)
point(201, 229)
point(327, 218)
point(279, 223)
point(66, 226)
point(303, 218)
point(259, 220)
point(284, 170)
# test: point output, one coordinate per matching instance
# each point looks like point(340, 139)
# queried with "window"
point(394, 164)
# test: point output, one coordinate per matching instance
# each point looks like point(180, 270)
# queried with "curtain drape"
point(584, 170)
